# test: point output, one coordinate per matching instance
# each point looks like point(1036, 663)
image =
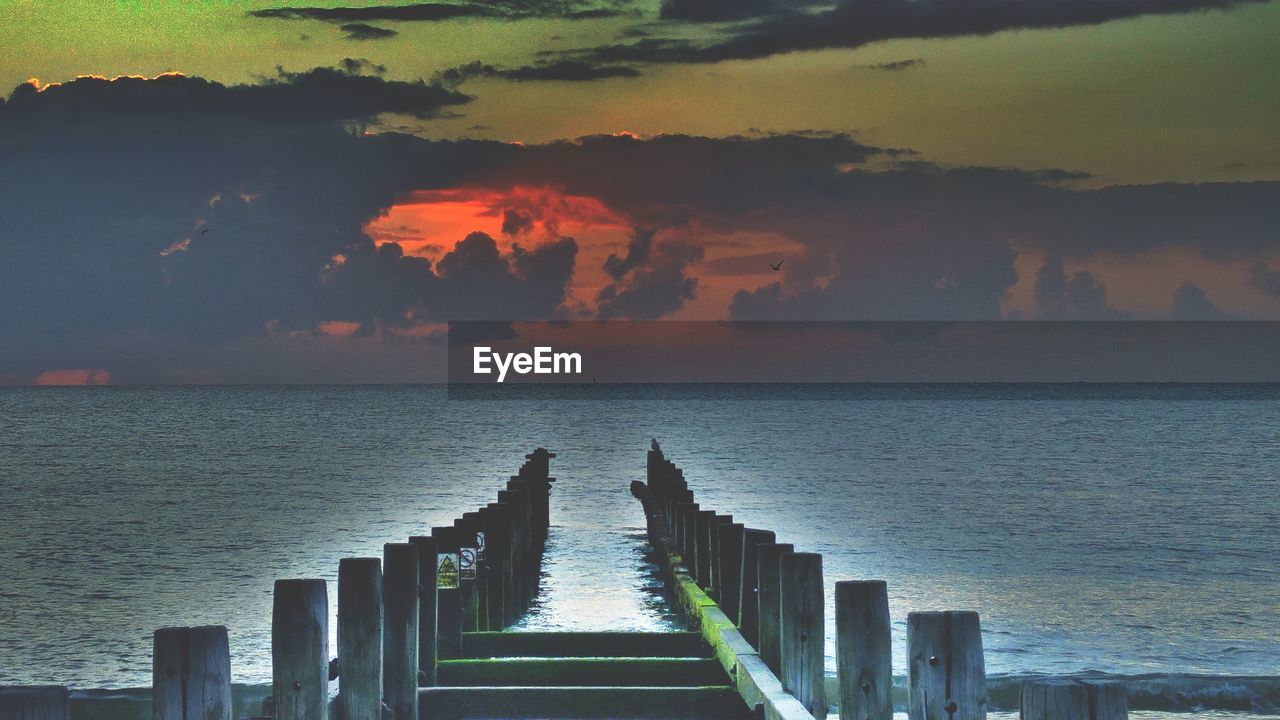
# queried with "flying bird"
point(778, 267)
point(204, 231)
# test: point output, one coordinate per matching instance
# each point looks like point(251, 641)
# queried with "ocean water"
point(1121, 531)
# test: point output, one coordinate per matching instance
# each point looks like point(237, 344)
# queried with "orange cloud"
point(73, 376)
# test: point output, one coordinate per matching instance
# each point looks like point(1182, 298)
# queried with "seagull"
point(654, 444)
point(204, 231)
point(778, 267)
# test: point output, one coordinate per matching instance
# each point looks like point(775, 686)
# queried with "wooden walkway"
point(422, 635)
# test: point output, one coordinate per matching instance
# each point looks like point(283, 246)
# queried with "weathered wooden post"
point(360, 621)
point(702, 547)
point(749, 584)
point(863, 663)
point(1072, 699)
point(448, 601)
point(468, 590)
point(713, 542)
point(678, 524)
point(427, 651)
point(803, 630)
point(730, 566)
point(947, 676)
point(300, 650)
point(689, 534)
point(477, 520)
point(400, 635)
point(498, 555)
point(519, 554)
point(191, 674)
point(35, 702)
point(768, 565)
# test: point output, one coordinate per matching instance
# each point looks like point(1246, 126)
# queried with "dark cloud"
point(638, 249)
point(104, 199)
point(438, 12)
point(723, 10)
point(363, 31)
point(897, 65)
point(1191, 303)
point(657, 288)
point(516, 222)
point(778, 28)
point(1264, 278)
point(1076, 297)
point(563, 70)
point(105, 186)
point(318, 95)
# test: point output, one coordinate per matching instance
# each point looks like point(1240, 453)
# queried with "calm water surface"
point(1127, 536)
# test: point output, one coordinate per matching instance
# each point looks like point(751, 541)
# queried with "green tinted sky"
point(1188, 97)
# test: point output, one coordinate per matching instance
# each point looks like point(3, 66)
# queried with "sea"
point(1130, 532)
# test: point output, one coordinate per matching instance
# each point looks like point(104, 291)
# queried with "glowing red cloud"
point(73, 376)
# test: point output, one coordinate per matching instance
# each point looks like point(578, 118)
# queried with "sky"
point(226, 191)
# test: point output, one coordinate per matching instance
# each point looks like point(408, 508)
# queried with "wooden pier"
point(423, 634)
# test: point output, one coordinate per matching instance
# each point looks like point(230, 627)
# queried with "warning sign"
point(447, 571)
point(467, 563)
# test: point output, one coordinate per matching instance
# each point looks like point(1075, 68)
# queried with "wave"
point(1259, 695)
point(1169, 693)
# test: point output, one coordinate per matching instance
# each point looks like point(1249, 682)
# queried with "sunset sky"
point(227, 191)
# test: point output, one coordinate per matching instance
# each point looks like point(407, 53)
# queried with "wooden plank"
point(863, 663)
point(400, 633)
point(749, 584)
point(583, 703)
point(727, 585)
point(947, 677)
point(583, 644)
point(300, 650)
point(1072, 699)
point(34, 702)
point(768, 562)
point(360, 623)
point(608, 671)
point(803, 630)
point(191, 674)
point(427, 651)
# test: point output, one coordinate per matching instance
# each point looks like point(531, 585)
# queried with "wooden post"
point(749, 585)
point(400, 636)
point(803, 630)
point(448, 601)
point(702, 548)
point(863, 663)
point(713, 542)
point(300, 650)
point(497, 556)
point(768, 564)
point(427, 653)
point(467, 586)
point(1072, 699)
point(730, 567)
point(688, 534)
point(191, 674)
point(360, 620)
point(477, 520)
point(947, 678)
point(519, 554)
point(34, 702)
point(678, 524)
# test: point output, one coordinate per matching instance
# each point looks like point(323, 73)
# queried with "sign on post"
point(447, 571)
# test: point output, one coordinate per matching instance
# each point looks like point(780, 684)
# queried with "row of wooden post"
point(394, 622)
point(775, 596)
